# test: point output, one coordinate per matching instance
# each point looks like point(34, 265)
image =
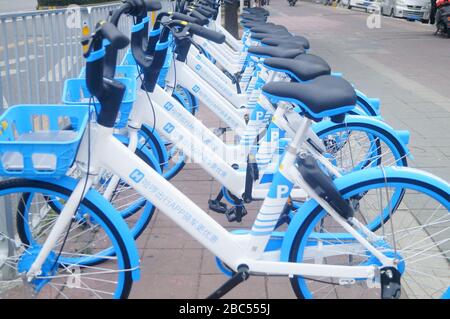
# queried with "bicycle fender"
point(361, 112)
point(370, 123)
point(370, 105)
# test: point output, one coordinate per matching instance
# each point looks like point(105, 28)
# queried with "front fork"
point(86, 154)
point(61, 225)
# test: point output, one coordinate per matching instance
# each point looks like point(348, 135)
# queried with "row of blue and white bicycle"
point(341, 214)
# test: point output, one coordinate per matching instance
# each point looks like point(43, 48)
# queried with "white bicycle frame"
point(233, 154)
point(214, 76)
point(206, 90)
point(169, 114)
point(165, 103)
point(232, 54)
point(182, 74)
point(195, 147)
point(223, 58)
point(235, 250)
point(222, 83)
point(228, 59)
point(235, 44)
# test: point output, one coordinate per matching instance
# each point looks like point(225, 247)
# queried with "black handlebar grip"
point(151, 5)
point(207, 8)
point(117, 39)
point(141, 7)
point(204, 12)
point(94, 77)
point(134, 7)
point(214, 36)
point(110, 100)
point(207, 2)
point(200, 17)
point(184, 17)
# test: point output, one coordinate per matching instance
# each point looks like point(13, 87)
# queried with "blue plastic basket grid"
point(76, 93)
point(31, 133)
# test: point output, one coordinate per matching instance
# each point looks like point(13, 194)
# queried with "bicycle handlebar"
point(152, 5)
point(213, 4)
point(207, 8)
point(108, 92)
point(203, 12)
point(191, 19)
point(116, 38)
point(148, 52)
point(203, 32)
point(134, 8)
point(203, 20)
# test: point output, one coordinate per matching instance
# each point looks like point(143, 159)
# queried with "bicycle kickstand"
point(238, 277)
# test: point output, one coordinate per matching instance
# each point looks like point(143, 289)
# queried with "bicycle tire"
point(124, 283)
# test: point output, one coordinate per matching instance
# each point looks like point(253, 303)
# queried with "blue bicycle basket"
point(76, 93)
point(40, 140)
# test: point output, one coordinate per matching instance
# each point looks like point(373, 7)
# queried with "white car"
point(362, 4)
point(408, 9)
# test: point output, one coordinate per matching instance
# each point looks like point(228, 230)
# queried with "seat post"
point(300, 136)
point(272, 74)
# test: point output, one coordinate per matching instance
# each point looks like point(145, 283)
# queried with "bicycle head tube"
point(135, 8)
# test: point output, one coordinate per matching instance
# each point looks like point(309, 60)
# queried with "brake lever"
point(177, 34)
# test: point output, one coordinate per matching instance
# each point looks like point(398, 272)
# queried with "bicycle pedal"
point(236, 213)
point(217, 206)
point(390, 283)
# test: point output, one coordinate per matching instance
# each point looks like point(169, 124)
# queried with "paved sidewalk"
point(402, 63)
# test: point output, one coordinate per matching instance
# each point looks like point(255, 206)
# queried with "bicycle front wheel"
point(65, 273)
point(417, 235)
